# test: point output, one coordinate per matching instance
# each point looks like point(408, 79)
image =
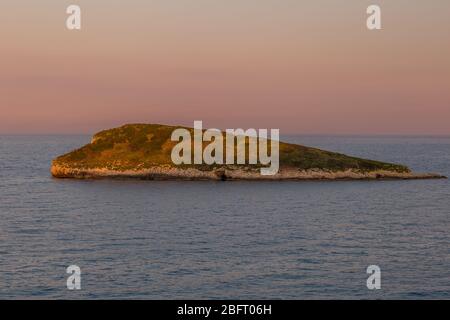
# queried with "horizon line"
point(281, 133)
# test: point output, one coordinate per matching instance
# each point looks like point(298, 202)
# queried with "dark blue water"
point(289, 240)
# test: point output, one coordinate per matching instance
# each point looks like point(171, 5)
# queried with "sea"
point(225, 240)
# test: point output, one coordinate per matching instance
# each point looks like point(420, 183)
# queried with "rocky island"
point(143, 151)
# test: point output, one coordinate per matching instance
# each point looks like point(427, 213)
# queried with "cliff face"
point(144, 151)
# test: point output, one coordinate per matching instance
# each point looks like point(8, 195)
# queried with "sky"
point(305, 67)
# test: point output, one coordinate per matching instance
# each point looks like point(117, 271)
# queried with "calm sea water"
point(183, 240)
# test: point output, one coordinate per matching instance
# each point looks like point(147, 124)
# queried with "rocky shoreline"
point(145, 151)
point(222, 174)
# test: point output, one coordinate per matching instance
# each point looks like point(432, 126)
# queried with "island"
point(143, 151)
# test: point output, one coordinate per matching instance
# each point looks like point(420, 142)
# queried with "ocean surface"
point(231, 240)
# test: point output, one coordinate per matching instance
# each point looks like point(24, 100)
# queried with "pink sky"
point(300, 66)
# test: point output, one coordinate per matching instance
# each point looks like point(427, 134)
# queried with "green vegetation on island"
point(136, 147)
